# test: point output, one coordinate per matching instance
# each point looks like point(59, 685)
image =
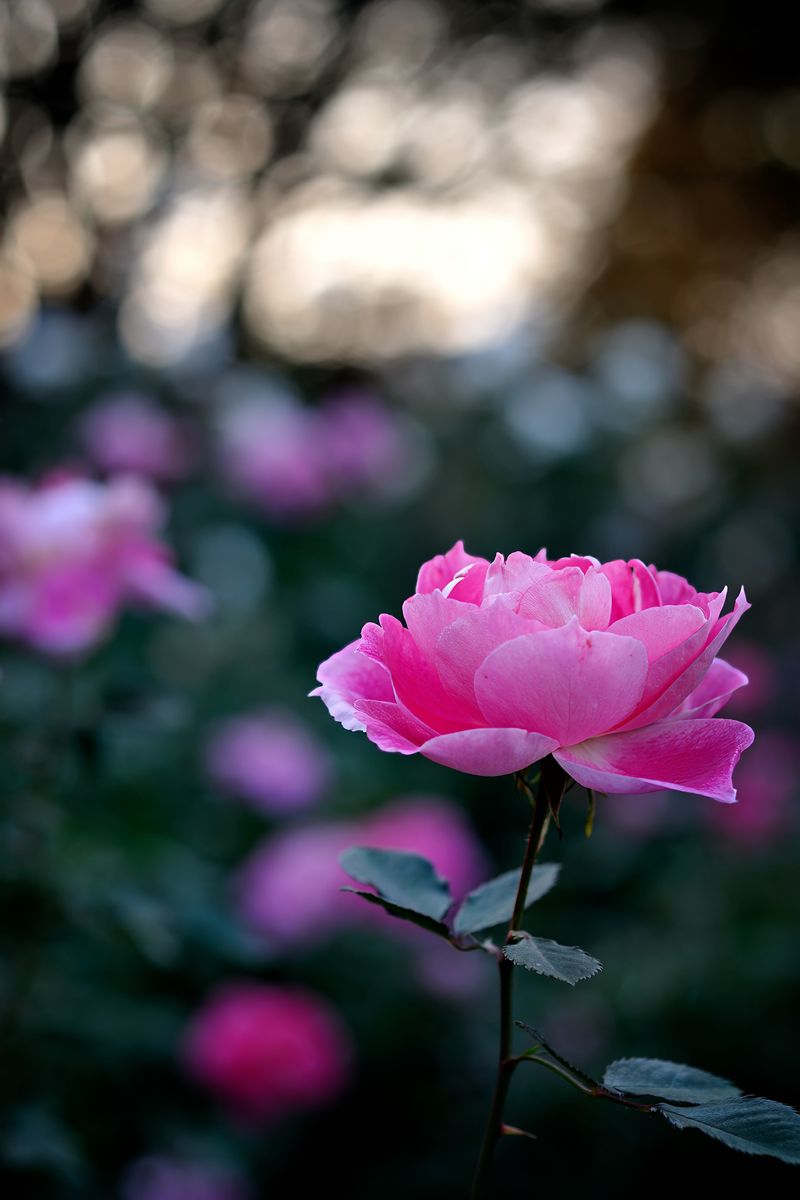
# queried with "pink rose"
point(73, 552)
point(268, 1050)
point(609, 667)
point(367, 446)
point(289, 889)
point(271, 454)
point(269, 759)
point(128, 432)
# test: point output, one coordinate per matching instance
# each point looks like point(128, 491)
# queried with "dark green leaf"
point(668, 1081)
point(403, 879)
point(567, 963)
point(749, 1124)
point(493, 902)
point(404, 914)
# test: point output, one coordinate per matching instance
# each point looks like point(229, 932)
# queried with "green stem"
point(549, 791)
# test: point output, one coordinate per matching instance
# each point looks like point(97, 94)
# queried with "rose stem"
point(549, 791)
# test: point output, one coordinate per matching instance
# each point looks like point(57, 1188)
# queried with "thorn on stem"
point(514, 1131)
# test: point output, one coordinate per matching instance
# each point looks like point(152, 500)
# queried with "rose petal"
point(488, 751)
point(439, 571)
point(671, 678)
point(565, 683)
point(690, 756)
point(416, 681)
point(716, 688)
point(633, 587)
point(348, 676)
point(462, 646)
point(661, 629)
point(394, 718)
point(392, 727)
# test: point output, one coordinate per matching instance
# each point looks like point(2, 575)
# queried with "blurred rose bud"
point(271, 760)
point(74, 552)
point(128, 432)
point(268, 1050)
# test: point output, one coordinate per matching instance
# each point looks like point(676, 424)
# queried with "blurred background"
point(345, 282)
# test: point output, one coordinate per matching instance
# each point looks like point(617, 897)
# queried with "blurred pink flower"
point(269, 759)
point(172, 1179)
point(768, 781)
point(288, 890)
point(436, 829)
point(129, 433)
point(73, 552)
point(610, 667)
point(268, 1050)
point(270, 452)
point(366, 446)
point(294, 461)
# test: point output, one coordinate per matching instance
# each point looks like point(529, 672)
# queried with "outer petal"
point(690, 756)
point(488, 751)
point(152, 581)
point(392, 727)
point(721, 681)
point(348, 676)
point(661, 629)
point(565, 683)
point(677, 673)
point(416, 681)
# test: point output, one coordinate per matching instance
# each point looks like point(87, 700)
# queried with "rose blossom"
point(269, 759)
point(610, 667)
point(270, 452)
point(73, 552)
point(289, 889)
point(366, 445)
point(268, 1050)
point(128, 432)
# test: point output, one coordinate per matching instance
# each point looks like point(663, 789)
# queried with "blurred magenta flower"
point(366, 446)
point(269, 759)
point(73, 552)
point(294, 461)
point(768, 782)
point(127, 432)
point(160, 1178)
point(609, 667)
point(268, 1050)
point(271, 454)
point(288, 890)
